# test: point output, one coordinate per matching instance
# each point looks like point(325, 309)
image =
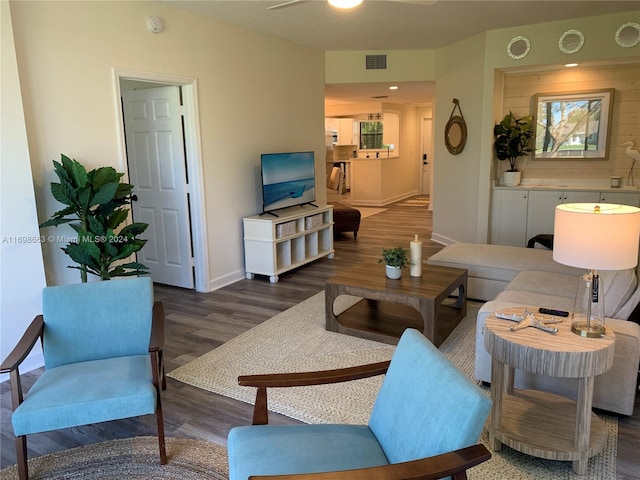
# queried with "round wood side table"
point(539, 423)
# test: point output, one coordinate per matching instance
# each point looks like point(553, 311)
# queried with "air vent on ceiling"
point(375, 97)
point(376, 62)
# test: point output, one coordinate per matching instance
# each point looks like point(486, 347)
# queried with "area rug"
point(369, 211)
point(295, 340)
point(130, 458)
point(416, 202)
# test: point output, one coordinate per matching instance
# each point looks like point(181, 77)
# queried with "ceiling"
point(382, 25)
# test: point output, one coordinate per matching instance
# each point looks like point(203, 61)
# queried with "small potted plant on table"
point(395, 259)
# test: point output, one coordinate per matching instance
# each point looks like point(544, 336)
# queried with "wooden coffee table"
point(538, 423)
point(390, 306)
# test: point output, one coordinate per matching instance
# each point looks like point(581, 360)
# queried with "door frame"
point(430, 153)
point(193, 148)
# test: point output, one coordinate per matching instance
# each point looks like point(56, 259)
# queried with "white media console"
point(297, 236)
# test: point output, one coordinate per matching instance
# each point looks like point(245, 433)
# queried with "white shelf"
point(268, 253)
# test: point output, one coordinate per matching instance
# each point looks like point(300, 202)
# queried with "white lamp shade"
point(607, 240)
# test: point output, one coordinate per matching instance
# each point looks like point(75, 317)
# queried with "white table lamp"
point(595, 237)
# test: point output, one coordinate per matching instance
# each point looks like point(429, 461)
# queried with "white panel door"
point(157, 170)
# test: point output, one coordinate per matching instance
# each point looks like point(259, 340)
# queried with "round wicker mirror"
point(518, 47)
point(628, 35)
point(571, 41)
point(455, 134)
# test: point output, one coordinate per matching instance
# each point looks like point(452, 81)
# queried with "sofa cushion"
point(526, 297)
point(545, 283)
point(618, 288)
point(499, 262)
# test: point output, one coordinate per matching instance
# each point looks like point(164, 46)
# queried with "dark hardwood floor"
point(199, 322)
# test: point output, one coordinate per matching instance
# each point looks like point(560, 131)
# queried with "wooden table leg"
point(330, 295)
point(461, 301)
point(497, 391)
point(429, 311)
point(584, 401)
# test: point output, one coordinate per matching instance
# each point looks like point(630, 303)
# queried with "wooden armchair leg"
point(163, 376)
point(21, 457)
point(161, 441)
point(157, 370)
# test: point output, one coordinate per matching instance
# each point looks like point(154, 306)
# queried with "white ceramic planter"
point(393, 272)
point(511, 179)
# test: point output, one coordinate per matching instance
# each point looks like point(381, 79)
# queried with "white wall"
point(21, 266)
point(257, 94)
point(457, 179)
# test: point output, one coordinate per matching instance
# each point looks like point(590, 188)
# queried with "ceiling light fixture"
point(344, 4)
point(569, 65)
point(393, 87)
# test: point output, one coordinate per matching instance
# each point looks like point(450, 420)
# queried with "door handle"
point(134, 198)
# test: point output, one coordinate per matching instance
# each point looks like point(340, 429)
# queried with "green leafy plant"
point(96, 208)
point(513, 138)
point(395, 257)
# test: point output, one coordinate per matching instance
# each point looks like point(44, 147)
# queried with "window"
point(371, 137)
point(573, 125)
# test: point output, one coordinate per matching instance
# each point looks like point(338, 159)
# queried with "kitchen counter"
point(574, 185)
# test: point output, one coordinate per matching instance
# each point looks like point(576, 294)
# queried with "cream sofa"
point(513, 276)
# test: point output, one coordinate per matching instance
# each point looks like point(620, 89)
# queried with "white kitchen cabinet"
point(517, 214)
point(297, 236)
point(509, 218)
point(541, 209)
point(345, 127)
point(621, 198)
point(347, 134)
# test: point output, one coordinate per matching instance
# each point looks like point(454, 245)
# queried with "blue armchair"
point(425, 424)
point(102, 345)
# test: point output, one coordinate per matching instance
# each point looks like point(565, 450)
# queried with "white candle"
point(415, 249)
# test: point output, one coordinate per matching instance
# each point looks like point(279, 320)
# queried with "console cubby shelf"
point(298, 235)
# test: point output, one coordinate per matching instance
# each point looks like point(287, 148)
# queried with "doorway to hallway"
point(163, 159)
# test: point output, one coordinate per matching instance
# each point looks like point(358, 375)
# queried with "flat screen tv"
point(288, 179)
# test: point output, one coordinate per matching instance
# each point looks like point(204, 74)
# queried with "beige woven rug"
point(416, 202)
point(131, 458)
point(295, 340)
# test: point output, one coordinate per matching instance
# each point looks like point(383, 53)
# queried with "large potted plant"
point(395, 259)
point(513, 140)
point(95, 207)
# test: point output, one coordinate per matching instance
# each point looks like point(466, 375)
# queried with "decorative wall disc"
point(628, 34)
point(518, 47)
point(571, 41)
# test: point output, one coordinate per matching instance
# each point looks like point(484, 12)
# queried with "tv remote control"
point(551, 311)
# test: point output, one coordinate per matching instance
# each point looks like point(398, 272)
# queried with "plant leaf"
point(104, 175)
point(134, 229)
point(128, 249)
point(105, 194)
point(62, 194)
point(55, 221)
point(118, 217)
point(79, 173)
